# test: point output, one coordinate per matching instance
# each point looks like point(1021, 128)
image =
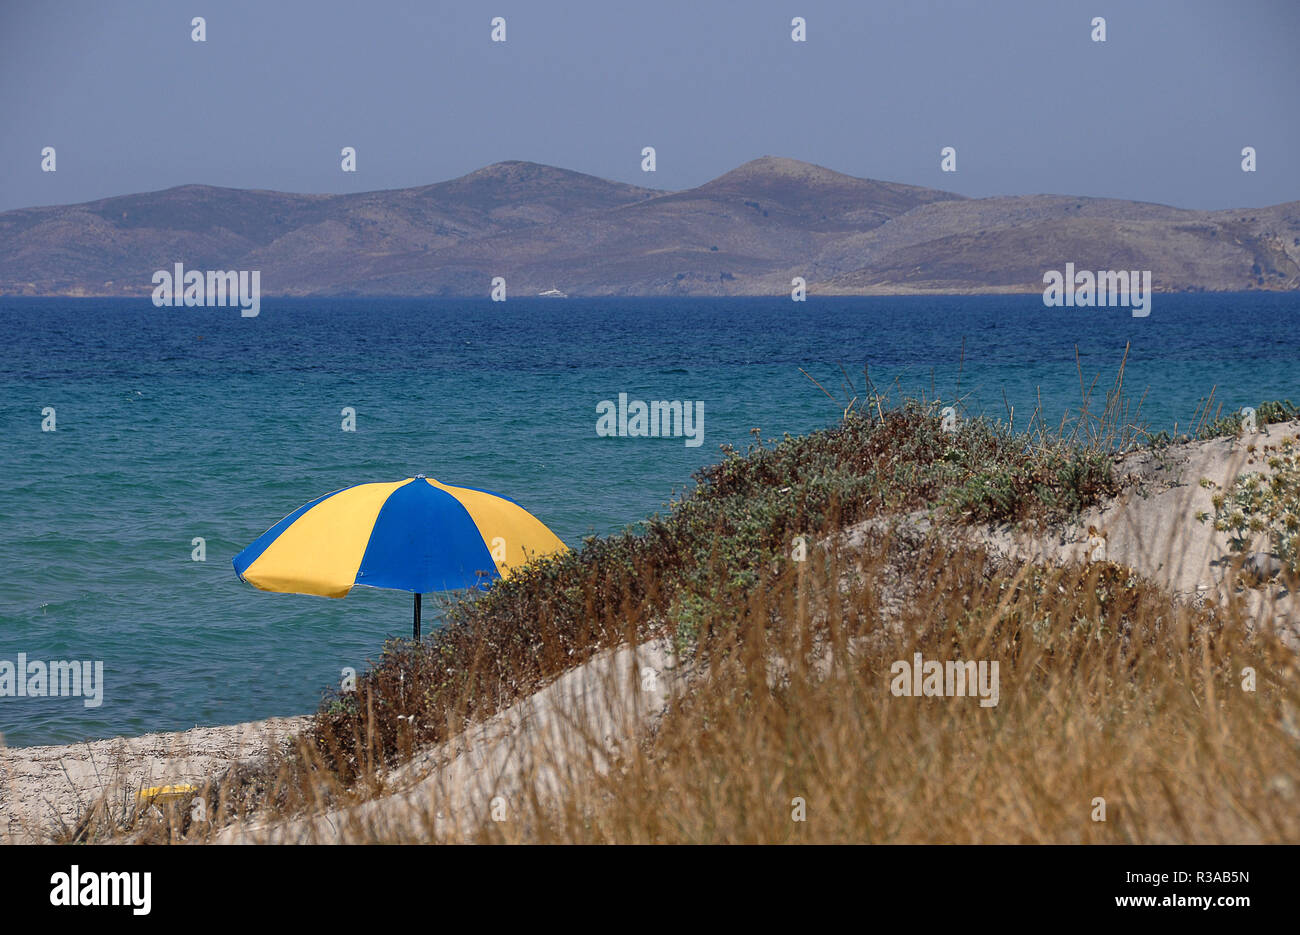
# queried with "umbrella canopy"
point(411, 535)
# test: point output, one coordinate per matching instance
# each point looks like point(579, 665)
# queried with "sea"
point(175, 425)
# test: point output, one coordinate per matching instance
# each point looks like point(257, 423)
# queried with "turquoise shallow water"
point(177, 423)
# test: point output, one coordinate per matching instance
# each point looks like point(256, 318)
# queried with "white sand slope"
point(1152, 527)
point(561, 736)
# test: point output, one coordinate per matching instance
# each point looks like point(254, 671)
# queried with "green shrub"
point(1263, 503)
point(1266, 413)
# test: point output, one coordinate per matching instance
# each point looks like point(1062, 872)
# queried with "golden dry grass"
point(1108, 691)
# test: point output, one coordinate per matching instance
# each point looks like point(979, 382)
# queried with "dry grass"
point(1107, 689)
point(1110, 689)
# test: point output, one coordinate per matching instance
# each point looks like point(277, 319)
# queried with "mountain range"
point(748, 232)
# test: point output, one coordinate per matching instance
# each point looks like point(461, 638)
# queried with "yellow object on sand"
point(164, 794)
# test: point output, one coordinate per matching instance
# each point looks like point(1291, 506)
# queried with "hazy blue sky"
point(1159, 112)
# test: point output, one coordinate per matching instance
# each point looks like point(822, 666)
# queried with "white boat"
point(553, 294)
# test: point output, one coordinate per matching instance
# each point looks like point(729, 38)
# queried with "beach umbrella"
point(412, 535)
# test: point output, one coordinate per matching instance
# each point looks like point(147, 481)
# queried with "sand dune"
point(529, 749)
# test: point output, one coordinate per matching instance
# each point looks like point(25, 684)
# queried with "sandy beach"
point(43, 790)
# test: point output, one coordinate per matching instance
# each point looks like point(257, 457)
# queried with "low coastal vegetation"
point(1115, 695)
point(1264, 505)
point(1267, 413)
point(687, 570)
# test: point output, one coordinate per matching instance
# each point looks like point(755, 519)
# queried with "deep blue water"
point(177, 423)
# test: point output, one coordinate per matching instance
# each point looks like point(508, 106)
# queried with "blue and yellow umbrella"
point(411, 535)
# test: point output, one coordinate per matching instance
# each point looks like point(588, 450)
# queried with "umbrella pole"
point(416, 637)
